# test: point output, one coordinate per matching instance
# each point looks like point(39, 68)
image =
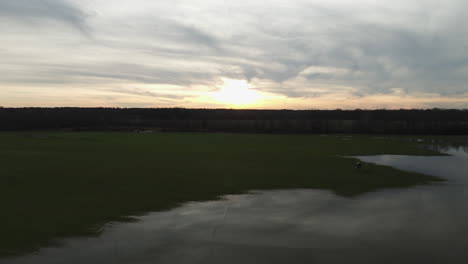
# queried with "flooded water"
point(424, 224)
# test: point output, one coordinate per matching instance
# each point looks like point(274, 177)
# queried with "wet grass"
point(56, 185)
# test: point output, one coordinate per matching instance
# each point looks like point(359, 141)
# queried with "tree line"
point(404, 121)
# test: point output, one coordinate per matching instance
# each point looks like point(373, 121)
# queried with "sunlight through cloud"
point(236, 93)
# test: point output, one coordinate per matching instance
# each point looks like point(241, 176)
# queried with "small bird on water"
point(358, 164)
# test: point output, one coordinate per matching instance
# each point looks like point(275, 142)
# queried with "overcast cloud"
point(163, 53)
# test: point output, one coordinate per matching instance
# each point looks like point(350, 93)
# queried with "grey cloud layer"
point(374, 48)
point(27, 10)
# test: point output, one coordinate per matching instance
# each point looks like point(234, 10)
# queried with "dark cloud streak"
point(58, 10)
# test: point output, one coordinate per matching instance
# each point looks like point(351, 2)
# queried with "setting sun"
point(236, 93)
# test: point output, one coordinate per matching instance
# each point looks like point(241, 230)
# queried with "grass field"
point(55, 185)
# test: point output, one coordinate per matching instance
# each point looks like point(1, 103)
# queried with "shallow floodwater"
point(424, 224)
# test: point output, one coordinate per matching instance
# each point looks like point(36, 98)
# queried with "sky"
point(266, 54)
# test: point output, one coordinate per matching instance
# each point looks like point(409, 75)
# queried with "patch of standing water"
point(426, 224)
point(452, 168)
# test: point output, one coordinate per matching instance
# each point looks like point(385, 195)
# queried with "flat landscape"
point(233, 132)
point(57, 185)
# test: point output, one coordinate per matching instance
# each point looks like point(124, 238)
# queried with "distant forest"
point(432, 121)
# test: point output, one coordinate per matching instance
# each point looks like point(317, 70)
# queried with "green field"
point(56, 185)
